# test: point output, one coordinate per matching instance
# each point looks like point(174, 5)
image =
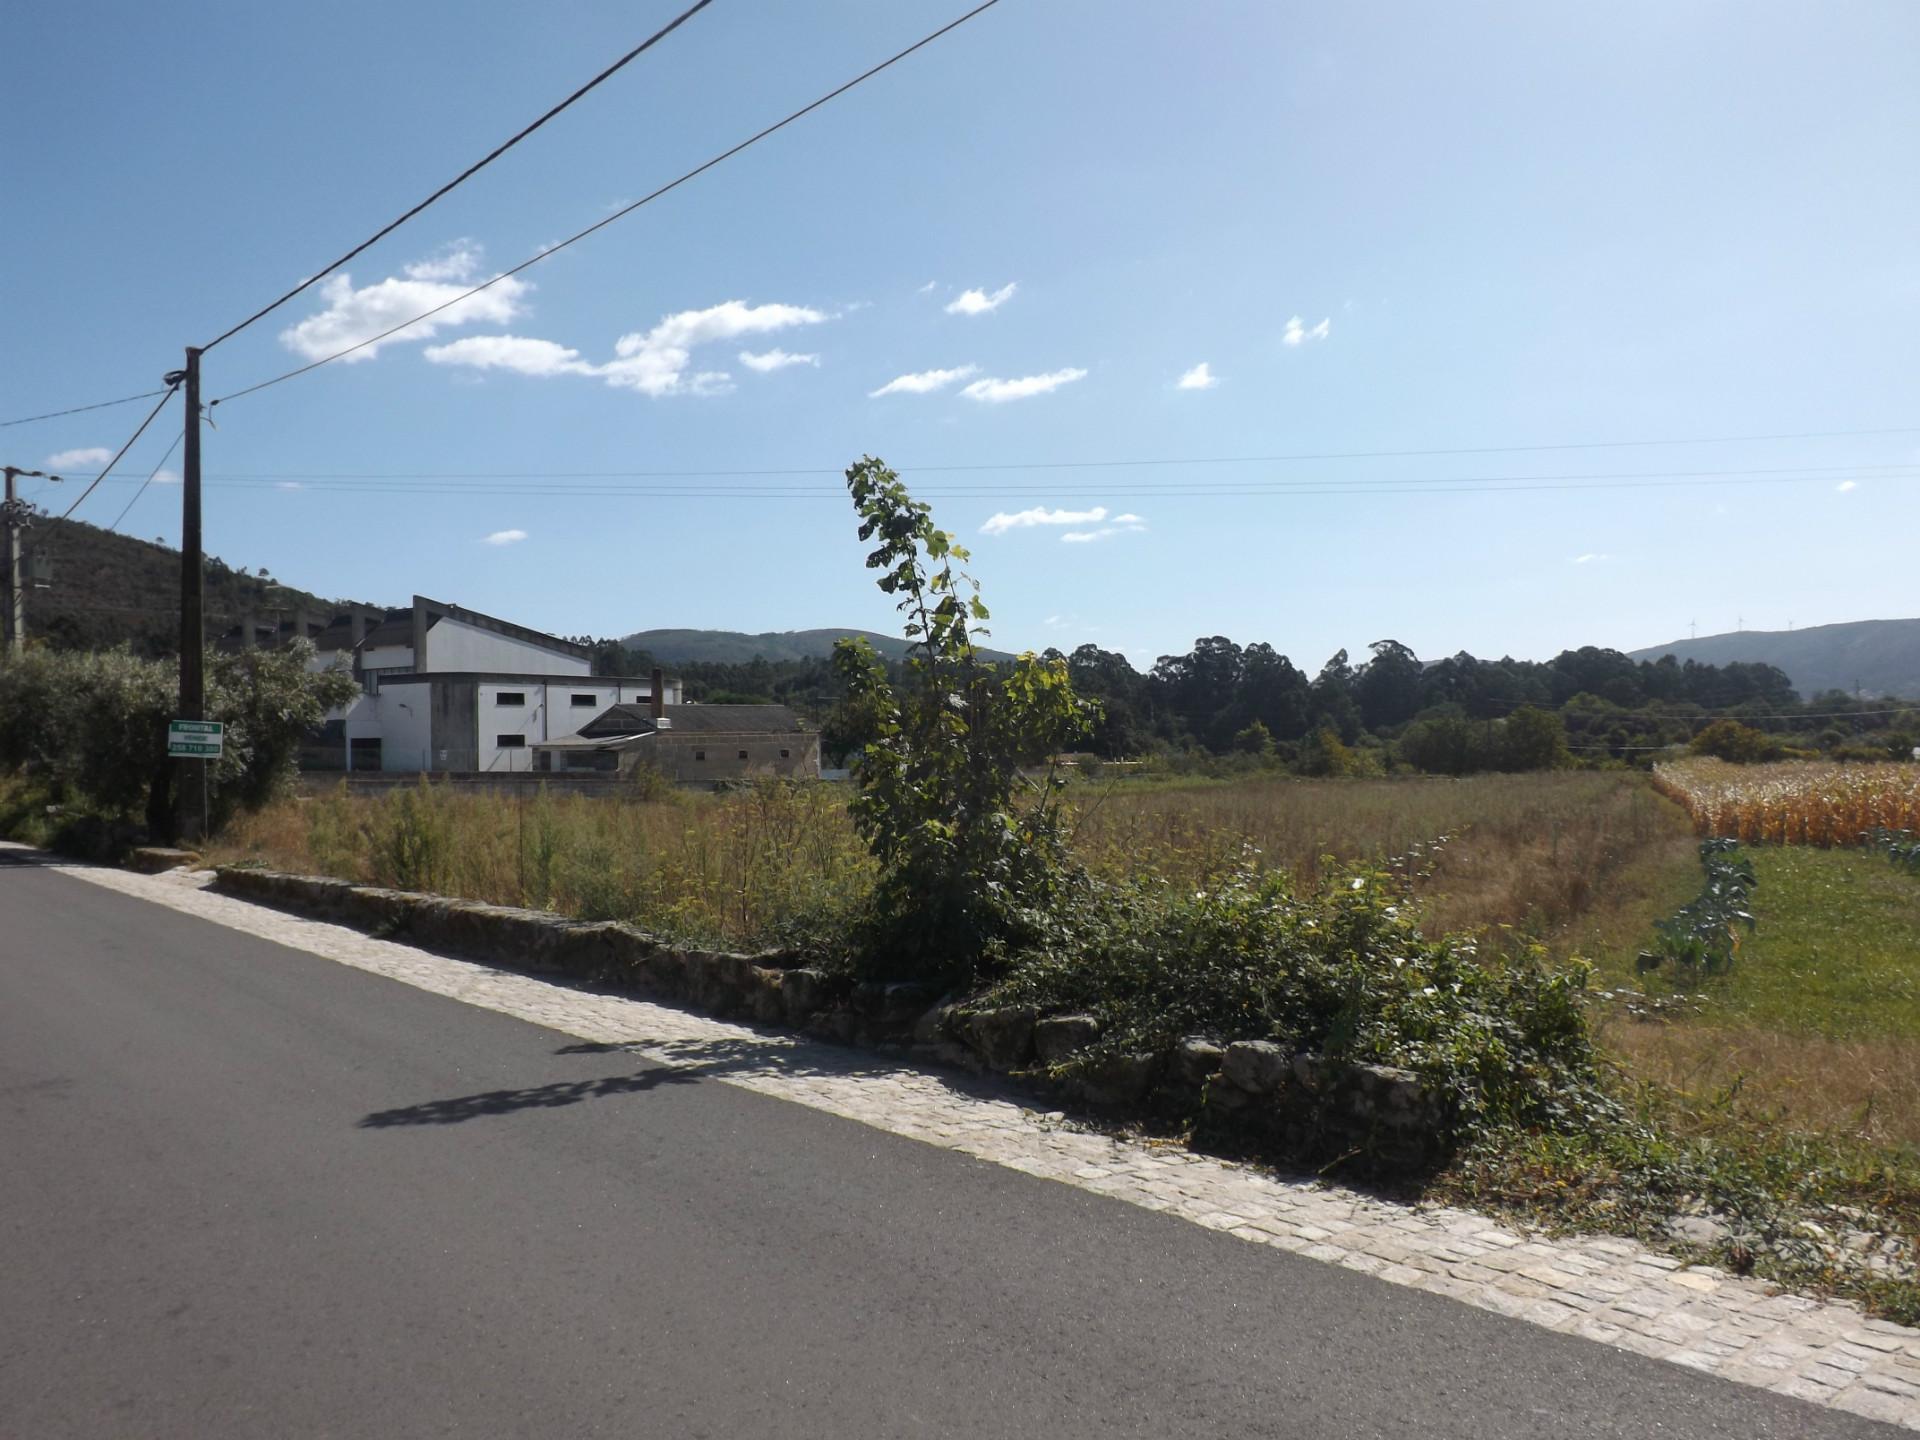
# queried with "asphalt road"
point(247, 1191)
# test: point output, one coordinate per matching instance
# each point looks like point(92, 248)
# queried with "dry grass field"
point(1571, 860)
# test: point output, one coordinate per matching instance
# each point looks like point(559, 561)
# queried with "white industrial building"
point(445, 688)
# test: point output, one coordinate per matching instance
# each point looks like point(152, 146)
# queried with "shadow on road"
point(31, 859)
point(678, 1062)
point(533, 1097)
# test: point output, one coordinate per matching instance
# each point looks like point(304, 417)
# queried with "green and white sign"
point(195, 739)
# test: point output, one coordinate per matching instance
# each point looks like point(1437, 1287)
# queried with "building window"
point(363, 754)
point(743, 754)
point(509, 697)
point(510, 742)
point(699, 754)
point(786, 754)
point(580, 700)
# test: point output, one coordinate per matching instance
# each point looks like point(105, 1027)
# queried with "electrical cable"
point(82, 409)
point(1349, 490)
point(464, 480)
point(467, 173)
point(621, 213)
point(149, 480)
point(151, 414)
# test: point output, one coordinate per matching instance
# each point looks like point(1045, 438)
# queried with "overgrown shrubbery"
point(88, 730)
point(1339, 970)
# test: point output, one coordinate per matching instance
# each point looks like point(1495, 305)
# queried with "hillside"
point(107, 589)
point(734, 647)
point(1878, 657)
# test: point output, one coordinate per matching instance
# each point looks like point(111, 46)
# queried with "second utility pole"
point(191, 791)
point(16, 587)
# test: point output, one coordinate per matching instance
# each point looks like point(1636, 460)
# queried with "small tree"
point(1255, 740)
point(1742, 744)
point(971, 852)
point(1534, 739)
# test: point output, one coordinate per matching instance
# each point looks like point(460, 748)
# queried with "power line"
point(478, 165)
point(148, 481)
point(82, 409)
point(625, 211)
point(121, 454)
point(465, 478)
point(1284, 490)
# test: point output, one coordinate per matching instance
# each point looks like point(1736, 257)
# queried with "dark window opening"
point(363, 754)
point(510, 697)
point(786, 754)
point(699, 754)
point(510, 742)
point(743, 754)
point(580, 700)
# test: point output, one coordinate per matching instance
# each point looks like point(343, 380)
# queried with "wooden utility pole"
point(191, 791)
point(14, 515)
point(16, 594)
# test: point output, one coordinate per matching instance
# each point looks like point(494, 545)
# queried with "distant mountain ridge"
point(735, 647)
point(1877, 657)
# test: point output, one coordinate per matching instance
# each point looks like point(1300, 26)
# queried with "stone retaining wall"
point(1252, 1089)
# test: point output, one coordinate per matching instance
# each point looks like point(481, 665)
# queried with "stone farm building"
point(689, 744)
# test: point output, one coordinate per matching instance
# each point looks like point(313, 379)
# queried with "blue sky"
point(1377, 228)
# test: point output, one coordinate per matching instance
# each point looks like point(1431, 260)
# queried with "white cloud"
point(289, 485)
point(352, 316)
point(1298, 331)
point(928, 288)
point(505, 537)
point(978, 302)
point(655, 362)
point(1843, 487)
point(995, 392)
point(1122, 525)
point(1198, 378)
point(459, 261)
point(775, 359)
point(85, 455)
point(1002, 522)
point(1589, 558)
point(924, 382)
point(164, 476)
point(518, 353)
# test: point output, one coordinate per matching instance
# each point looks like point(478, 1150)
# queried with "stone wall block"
point(1059, 1037)
point(803, 993)
point(1003, 1037)
point(1119, 1080)
point(1256, 1066)
point(1196, 1060)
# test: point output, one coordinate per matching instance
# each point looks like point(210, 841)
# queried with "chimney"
point(659, 694)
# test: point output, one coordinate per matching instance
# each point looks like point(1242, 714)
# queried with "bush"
point(91, 727)
point(1741, 744)
point(1340, 971)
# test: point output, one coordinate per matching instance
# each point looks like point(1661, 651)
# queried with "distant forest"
point(1392, 710)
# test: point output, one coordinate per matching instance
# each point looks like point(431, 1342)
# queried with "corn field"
point(1794, 802)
